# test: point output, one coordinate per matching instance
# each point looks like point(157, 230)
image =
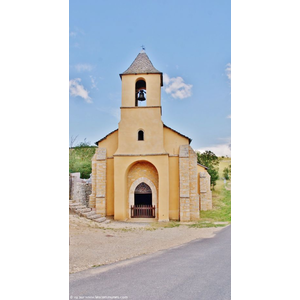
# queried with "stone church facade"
point(145, 169)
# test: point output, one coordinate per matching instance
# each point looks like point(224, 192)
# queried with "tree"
point(84, 144)
point(227, 173)
point(211, 161)
point(80, 158)
point(73, 139)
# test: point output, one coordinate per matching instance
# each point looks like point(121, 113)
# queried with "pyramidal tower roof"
point(142, 65)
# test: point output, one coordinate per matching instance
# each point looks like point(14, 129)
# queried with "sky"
point(190, 44)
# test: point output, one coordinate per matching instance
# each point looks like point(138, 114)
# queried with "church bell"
point(141, 95)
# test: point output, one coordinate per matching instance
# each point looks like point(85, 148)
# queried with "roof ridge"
point(190, 140)
point(142, 64)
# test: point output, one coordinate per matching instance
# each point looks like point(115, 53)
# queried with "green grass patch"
point(202, 224)
point(170, 224)
point(149, 228)
point(96, 266)
point(223, 163)
point(221, 210)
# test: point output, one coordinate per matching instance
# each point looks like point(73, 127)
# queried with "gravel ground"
point(95, 244)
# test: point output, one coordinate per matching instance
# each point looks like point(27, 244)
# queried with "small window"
point(141, 135)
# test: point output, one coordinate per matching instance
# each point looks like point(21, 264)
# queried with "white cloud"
point(219, 150)
point(94, 85)
point(228, 117)
point(176, 87)
point(75, 32)
point(83, 67)
point(228, 71)
point(78, 90)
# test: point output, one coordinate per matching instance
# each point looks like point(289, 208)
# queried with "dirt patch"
point(95, 244)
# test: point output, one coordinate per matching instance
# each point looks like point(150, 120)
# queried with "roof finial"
point(143, 49)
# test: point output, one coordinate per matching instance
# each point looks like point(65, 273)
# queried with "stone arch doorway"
point(144, 185)
point(145, 172)
point(143, 194)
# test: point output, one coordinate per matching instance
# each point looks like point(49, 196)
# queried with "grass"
point(221, 211)
point(223, 163)
point(170, 224)
point(202, 224)
point(221, 203)
point(96, 266)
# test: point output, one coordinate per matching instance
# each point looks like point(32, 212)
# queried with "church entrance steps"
point(94, 216)
point(100, 220)
point(75, 208)
point(79, 207)
point(84, 211)
point(73, 205)
point(87, 214)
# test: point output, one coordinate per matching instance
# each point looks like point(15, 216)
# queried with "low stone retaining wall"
point(80, 189)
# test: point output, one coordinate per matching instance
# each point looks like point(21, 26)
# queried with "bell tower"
point(141, 127)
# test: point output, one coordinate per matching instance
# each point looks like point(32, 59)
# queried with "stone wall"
point(189, 198)
point(98, 196)
point(184, 183)
point(205, 192)
point(80, 189)
point(142, 169)
point(194, 196)
point(73, 177)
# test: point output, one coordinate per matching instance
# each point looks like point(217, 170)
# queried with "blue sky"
point(190, 42)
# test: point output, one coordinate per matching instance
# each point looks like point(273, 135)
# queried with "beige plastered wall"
point(149, 121)
point(153, 89)
point(122, 165)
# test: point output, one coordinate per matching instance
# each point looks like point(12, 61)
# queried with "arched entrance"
point(142, 194)
point(142, 199)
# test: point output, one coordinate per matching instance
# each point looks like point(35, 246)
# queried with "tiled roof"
point(141, 65)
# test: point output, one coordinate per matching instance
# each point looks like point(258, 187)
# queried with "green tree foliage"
point(80, 159)
point(211, 161)
point(227, 173)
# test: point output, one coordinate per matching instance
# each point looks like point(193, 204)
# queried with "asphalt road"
point(196, 270)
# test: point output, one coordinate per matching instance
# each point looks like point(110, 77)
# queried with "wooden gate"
point(142, 211)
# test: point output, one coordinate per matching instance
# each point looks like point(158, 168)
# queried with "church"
point(145, 170)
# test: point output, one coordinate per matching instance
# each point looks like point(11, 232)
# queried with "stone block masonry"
point(184, 184)
point(194, 197)
point(189, 199)
point(205, 192)
point(98, 196)
point(80, 189)
point(92, 202)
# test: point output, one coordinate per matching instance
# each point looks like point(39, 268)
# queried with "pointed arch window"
point(140, 135)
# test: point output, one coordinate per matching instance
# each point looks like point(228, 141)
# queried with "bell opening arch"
point(140, 92)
